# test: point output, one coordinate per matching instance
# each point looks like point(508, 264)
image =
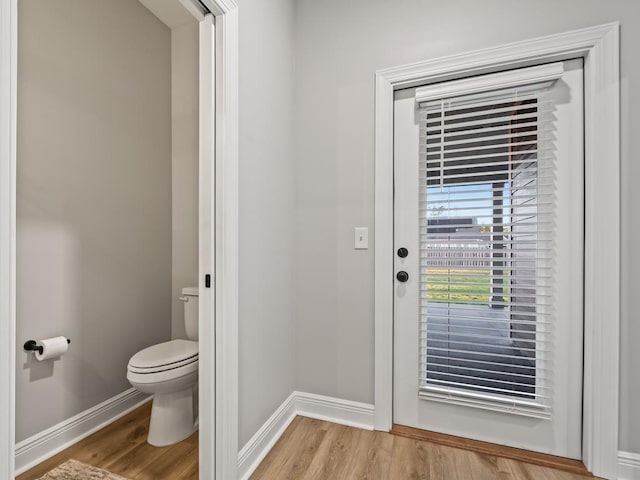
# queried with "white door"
point(488, 178)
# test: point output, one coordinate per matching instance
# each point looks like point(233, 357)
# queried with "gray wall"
point(94, 199)
point(184, 159)
point(339, 46)
point(266, 210)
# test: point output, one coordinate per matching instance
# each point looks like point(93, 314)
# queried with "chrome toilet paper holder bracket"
point(32, 346)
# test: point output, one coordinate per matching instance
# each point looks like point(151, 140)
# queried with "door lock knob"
point(403, 252)
point(402, 276)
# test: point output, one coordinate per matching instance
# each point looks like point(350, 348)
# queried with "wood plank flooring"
point(122, 448)
point(492, 449)
point(316, 450)
point(308, 450)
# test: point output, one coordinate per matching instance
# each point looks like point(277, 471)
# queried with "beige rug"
point(75, 470)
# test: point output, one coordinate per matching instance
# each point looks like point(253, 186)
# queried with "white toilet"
point(169, 371)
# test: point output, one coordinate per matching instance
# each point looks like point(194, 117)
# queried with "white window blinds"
point(486, 242)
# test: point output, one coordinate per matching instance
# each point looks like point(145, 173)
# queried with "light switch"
point(361, 238)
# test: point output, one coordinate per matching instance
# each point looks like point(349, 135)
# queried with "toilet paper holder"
point(32, 346)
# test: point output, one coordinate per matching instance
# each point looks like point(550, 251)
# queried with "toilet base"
point(172, 418)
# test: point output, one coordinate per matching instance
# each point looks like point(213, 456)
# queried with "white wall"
point(266, 210)
point(94, 199)
point(339, 46)
point(184, 161)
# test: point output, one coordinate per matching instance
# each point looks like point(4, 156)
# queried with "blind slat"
point(512, 367)
point(480, 125)
point(494, 380)
point(491, 389)
point(476, 353)
point(480, 318)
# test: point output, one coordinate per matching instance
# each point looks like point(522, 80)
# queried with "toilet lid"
point(168, 354)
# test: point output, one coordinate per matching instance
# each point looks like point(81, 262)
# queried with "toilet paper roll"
point(52, 348)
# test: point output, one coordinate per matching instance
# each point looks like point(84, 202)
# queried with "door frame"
point(599, 47)
point(219, 417)
point(221, 395)
point(8, 101)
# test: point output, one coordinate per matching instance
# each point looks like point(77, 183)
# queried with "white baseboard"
point(344, 412)
point(336, 410)
point(265, 438)
point(628, 466)
point(47, 443)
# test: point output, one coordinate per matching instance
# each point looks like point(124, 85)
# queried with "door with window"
point(488, 257)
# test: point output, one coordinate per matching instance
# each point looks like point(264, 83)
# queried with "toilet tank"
point(190, 299)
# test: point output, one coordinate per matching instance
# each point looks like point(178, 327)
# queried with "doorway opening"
point(223, 228)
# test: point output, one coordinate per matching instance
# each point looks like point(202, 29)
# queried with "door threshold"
point(486, 448)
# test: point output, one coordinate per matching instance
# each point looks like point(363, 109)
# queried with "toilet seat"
point(177, 374)
point(164, 357)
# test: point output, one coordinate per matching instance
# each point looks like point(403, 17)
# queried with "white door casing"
point(599, 46)
point(8, 101)
point(206, 243)
point(226, 243)
point(560, 434)
point(218, 456)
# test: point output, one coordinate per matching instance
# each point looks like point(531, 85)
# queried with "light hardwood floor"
point(316, 450)
point(308, 450)
point(122, 448)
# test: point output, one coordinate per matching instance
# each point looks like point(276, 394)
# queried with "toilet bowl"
point(169, 372)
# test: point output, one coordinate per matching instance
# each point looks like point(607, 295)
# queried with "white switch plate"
point(361, 240)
